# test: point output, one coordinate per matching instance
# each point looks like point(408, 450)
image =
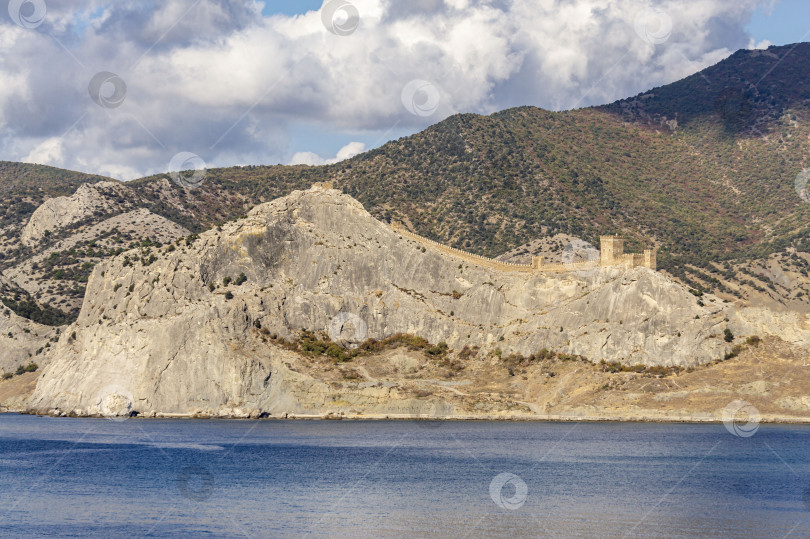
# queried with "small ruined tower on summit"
point(611, 250)
point(650, 259)
point(612, 254)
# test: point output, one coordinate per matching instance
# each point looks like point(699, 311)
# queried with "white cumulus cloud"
point(311, 158)
point(218, 79)
point(49, 151)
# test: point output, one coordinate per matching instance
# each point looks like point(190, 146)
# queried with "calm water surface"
point(153, 478)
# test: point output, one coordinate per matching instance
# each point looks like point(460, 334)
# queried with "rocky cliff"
point(180, 335)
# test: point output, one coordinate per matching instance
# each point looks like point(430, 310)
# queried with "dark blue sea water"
point(154, 478)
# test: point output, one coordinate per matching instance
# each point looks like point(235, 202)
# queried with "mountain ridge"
point(251, 293)
point(719, 203)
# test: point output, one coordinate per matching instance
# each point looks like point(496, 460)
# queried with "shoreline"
point(769, 420)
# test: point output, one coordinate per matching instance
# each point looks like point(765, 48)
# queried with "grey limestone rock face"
point(159, 336)
point(57, 213)
point(19, 341)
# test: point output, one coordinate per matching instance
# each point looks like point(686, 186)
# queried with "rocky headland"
point(310, 307)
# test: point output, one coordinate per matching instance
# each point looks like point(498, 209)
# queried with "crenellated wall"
point(612, 254)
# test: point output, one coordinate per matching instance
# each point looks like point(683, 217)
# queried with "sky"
point(128, 88)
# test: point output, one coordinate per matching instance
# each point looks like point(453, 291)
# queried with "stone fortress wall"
point(611, 254)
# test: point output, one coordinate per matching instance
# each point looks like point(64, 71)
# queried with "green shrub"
point(735, 351)
point(336, 352)
point(28, 308)
point(321, 345)
point(728, 336)
point(438, 350)
point(228, 295)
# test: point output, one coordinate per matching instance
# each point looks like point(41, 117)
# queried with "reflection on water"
point(68, 477)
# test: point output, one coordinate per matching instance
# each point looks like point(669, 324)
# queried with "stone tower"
point(651, 259)
point(611, 250)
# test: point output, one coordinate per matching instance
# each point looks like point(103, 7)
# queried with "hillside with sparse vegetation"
point(703, 169)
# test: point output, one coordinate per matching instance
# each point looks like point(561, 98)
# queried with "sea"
point(64, 477)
